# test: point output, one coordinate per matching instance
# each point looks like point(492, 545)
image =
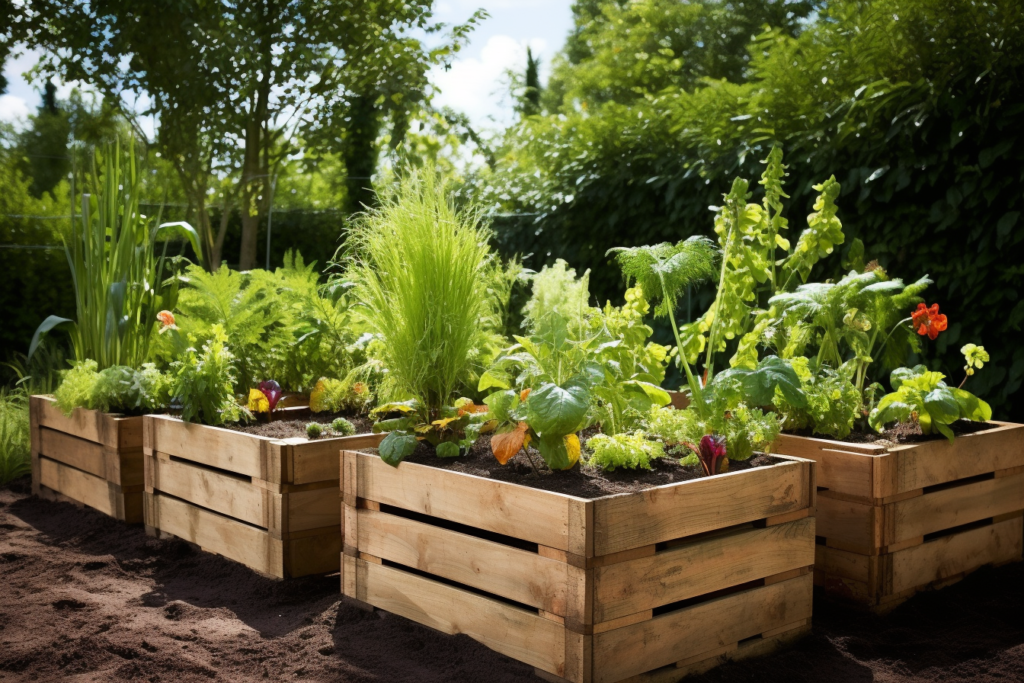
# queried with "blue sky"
point(475, 85)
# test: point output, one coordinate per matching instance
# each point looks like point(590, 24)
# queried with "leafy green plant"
point(314, 430)
point(335, 396)
point(557, 290)
point(343, 427)
point(118, 389)
point(548, 418)
point(452, 434)
point(246, 306)
point(419, 266)
point(920, 395)
point(833, 402)
point(204, 382)
point(118, 280)
point(630, 451)
point(15, 448)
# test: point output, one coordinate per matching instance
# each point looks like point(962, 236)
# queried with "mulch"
point(86, 598)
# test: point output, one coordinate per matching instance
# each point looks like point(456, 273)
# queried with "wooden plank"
point(939, 462)
point(492, 567)
point(675, 511)
point(82, 423)
point(318, 460)
point(958, 553)
point(677, 635)
point(514, 632)
point(952, 507)
point(518, 511)
point(855, 526)
point(79, 485)
point(843, 563)
point(319, 554)
point(225, 449)
point(78, 453)
point(216, 533)
point(221, 493)
point(702, 567)
point(312, 509)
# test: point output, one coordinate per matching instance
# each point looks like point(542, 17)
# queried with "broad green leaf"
point(554, 451)
point(396, 447)
point(555, 410)
point(901, 375)
point(447, 449)
point(972, 407)
point(502, 403)
point(394, 424)
point(489, 380)
point(890, 409)
point(759, 385)
point(658, 396)
point(942, 406)
point(53, 322)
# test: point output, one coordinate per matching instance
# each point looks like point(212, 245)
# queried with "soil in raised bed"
point(287, 429)
point(905, 432)
point(584, 481)
point(84, 597)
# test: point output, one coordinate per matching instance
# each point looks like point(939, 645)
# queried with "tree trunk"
point(250, 190)
point(222, 231)
point(360, 154)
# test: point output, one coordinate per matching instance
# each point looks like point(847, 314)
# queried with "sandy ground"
point(85, 598)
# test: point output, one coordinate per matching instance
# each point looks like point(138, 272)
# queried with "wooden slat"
point(80, 486)
point(675, 636)
point(514, 632)
point(952, 507)
point(208, 489)
point(939, 462)
point(225, 449)
point(113, 431)
point(701, 567)
point(843, 563)
point(318, 460)
point(518, 511)
point(955, 554)
point(216, 533)
point(78, 453)
point(319, 554)
point(677, 510)
point(492, 567)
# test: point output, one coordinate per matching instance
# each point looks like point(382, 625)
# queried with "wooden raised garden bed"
point(269, 504)
point(893, 521)
point(651, 585)
point(90, 458)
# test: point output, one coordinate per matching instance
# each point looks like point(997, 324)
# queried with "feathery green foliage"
point(419, 265)
point(204, 382)
point(15, 449)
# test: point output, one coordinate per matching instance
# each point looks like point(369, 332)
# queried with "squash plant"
point(452, 434)
point(921, 395)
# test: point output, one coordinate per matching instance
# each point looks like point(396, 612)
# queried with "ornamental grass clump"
point(419, 263)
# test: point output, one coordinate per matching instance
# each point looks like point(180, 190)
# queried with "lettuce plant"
point(115, 389)
point(631, 451)
point(921, 395)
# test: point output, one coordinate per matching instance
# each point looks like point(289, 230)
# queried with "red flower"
point(928, 320)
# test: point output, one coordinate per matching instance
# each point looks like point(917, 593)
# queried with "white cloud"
point(477, 86)
point(13, 109)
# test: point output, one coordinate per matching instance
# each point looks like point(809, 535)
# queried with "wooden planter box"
point(90, 458)
point(651, 585)
point(894, 521)
point(270, 504)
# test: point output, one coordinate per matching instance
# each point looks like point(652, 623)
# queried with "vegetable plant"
point(921, 395)
point(115, 389)
point(418, 263)
point(631, 451)
point(452, 434)
point(343, 427)
point(314, 430)
point(118, 280)
point(203, 382)
point(15, 447)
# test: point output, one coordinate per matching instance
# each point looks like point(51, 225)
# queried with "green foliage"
point(832, 401)
point(118, 280)
point(746, 430)
point(343, 427)
point(908, 102)
point(15, 446)
point(117, 389)
point(452, 434)
point(419, 265)
point(920, 395)
point(336, 395)
point(204, 382)
point(629, 451)
point(247, 307)
point(314, 430)
point(556, 290)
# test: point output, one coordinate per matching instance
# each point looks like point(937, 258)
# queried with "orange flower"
point(524, 393)
point(928, 320)
point(166, 319)
point(359, 388)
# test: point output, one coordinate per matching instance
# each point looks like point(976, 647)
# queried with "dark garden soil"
point(907, 432)
point(584, 481)
point(85, 598)
point(287, 429)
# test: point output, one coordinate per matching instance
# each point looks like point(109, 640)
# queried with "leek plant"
point(419, 265)
point(117, 277)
